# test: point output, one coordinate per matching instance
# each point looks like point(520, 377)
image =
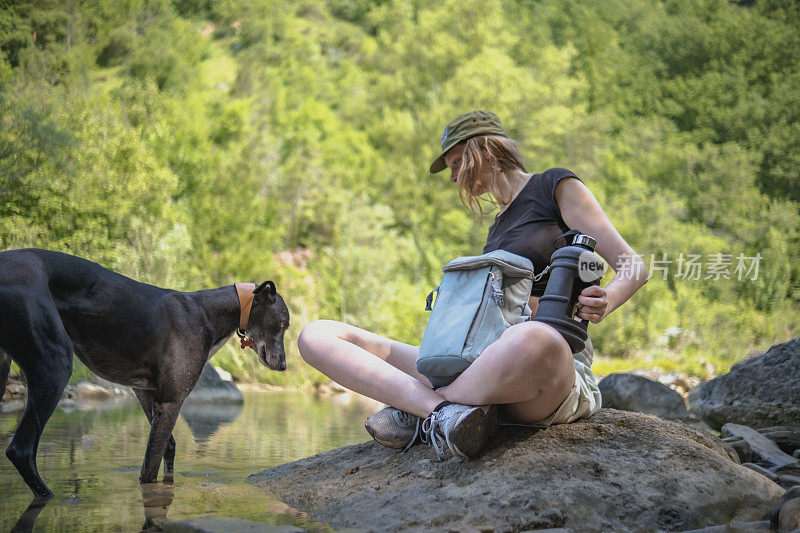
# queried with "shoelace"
point(432, 434)
point(408, 419)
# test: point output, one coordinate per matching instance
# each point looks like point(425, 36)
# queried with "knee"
point(315, 339)
point(539, 346)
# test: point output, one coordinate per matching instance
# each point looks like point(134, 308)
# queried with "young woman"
point(530, 371)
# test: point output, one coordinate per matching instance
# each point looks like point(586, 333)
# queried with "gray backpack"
point(478, 298)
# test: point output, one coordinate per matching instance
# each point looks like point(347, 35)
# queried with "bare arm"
point(580, 210)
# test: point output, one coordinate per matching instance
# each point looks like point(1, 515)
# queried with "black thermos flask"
point(572, 269)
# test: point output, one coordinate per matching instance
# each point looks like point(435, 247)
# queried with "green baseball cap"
point(465, 127)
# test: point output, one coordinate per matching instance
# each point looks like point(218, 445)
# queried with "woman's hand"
point(592, 304)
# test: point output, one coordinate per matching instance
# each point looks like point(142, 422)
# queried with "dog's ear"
point(267, 290)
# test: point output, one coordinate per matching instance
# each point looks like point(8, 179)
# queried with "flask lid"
point(584, 240)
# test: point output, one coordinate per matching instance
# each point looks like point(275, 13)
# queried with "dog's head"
point(269, 319)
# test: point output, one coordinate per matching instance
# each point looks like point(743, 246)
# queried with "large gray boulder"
point(760, 391)
point(212, 388)
point(630, 392)
point(616, 471)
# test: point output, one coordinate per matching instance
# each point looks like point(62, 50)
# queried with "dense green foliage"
point(193, 144)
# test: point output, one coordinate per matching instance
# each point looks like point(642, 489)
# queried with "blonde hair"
point(496, 152)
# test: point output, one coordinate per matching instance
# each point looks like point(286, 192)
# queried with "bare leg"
point(369, 364)
point(530, 368)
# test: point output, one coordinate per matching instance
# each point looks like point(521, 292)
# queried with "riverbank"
point(96, 392)
point(616, 471)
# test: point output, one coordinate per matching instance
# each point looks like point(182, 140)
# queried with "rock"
point(69, 394)
point(678, 382)
point(759, 391)
point(791, 495)
point(786, 437)
point(209, 524)
point(211, 388)
point(89, 392)
point(68, 405)
point(616, 471)
point(330, 388)
point(789, 516)
point(762, 526)
point(116, 388)
point(98, 390)
point(674, 380)
point(791, 470)
point(11, 406)
point(87, 441)
point(787, 481)
point(762, 451)
point(205, 418)
point(637, 393)
point(15, 390)
point(223, 374)
point(740, 447)
point(769, 474)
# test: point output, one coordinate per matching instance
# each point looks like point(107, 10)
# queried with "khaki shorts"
point(582, 401)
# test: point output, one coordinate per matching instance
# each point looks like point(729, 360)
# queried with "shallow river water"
point(91, 458)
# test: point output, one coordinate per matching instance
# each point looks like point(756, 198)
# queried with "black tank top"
point(531, 223)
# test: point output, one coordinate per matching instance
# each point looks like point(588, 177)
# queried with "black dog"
point(154, 340)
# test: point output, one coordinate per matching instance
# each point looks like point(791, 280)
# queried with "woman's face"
point(454, 159)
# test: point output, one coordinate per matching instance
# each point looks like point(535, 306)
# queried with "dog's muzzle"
point(277, 362)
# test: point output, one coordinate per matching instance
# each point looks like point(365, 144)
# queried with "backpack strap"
point(497, 287)
point(429, 299)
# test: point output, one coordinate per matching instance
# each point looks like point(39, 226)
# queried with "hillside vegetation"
point(194, 144)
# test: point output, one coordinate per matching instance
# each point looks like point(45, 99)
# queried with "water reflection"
point(91, 460)
point(204, 419)
point(156, 498)
point(29, 516)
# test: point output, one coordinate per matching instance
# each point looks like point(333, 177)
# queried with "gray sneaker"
point(463, 429)
point(394, 428)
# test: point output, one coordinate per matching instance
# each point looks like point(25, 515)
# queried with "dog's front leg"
point(5, 366)
point(147, 401)
point(165, 414)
